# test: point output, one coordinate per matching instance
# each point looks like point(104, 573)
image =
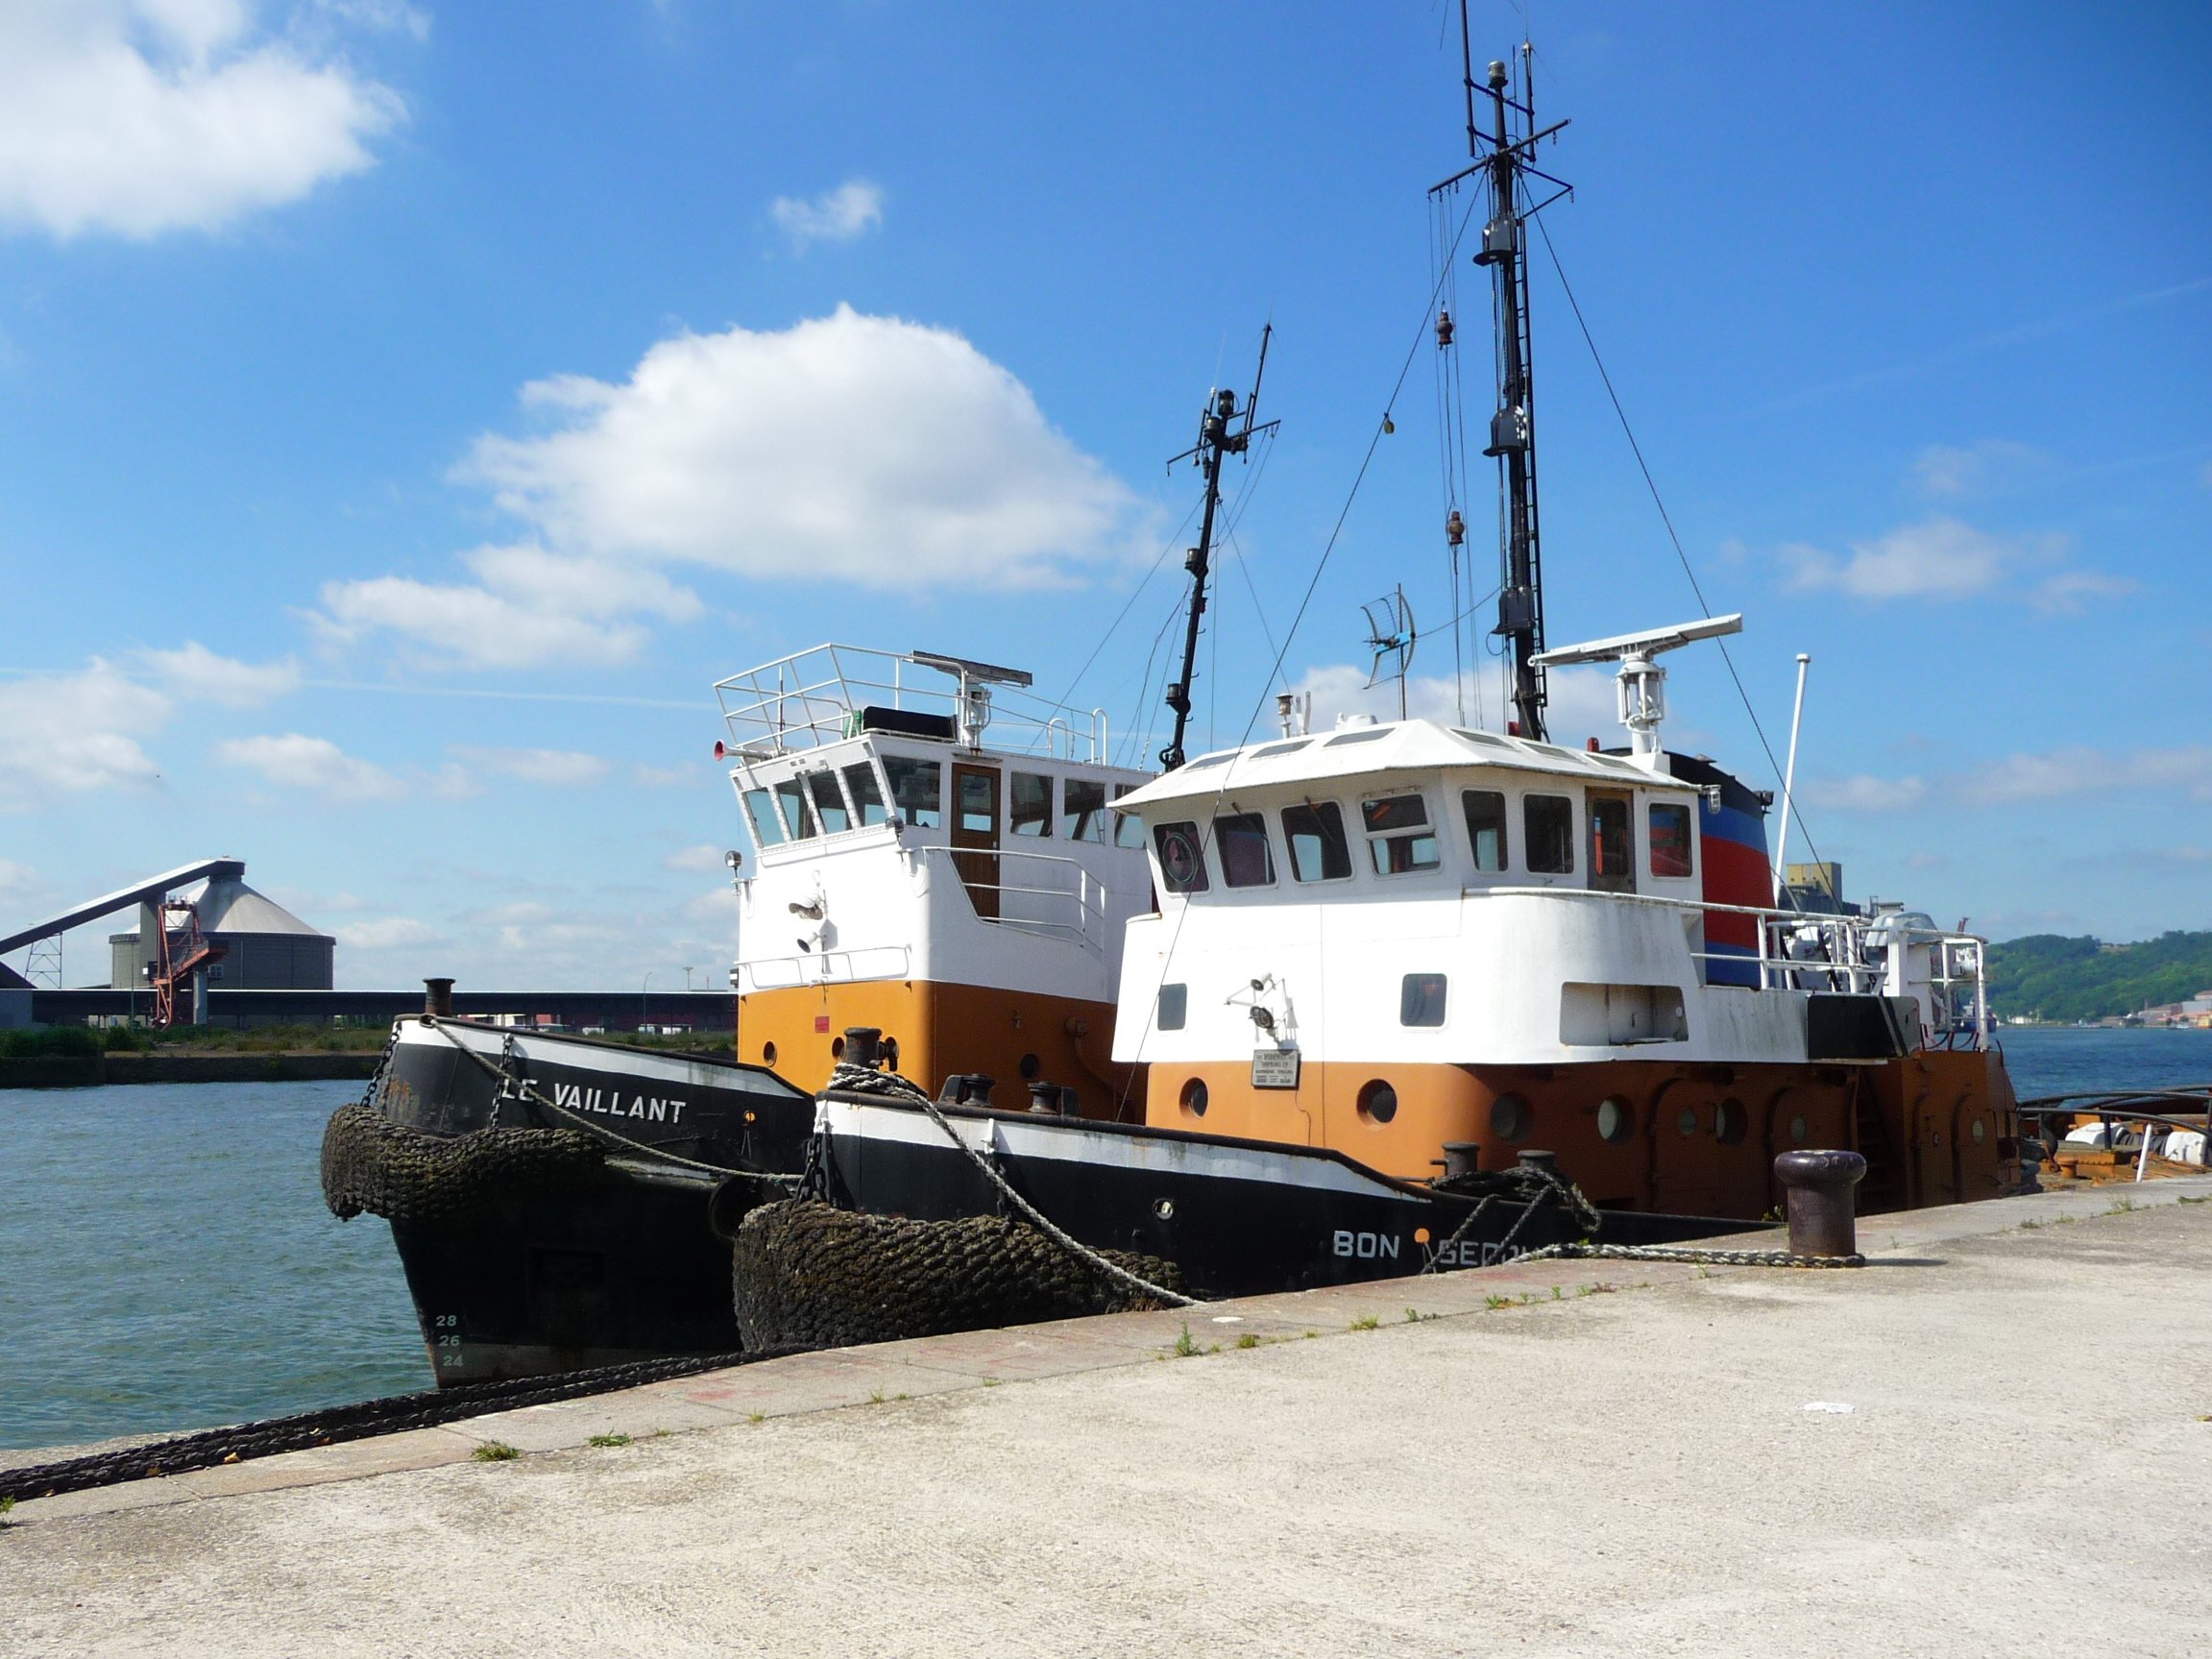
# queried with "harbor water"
point(166, 1261)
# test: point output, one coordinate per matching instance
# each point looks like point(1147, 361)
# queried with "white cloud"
point(695, 859)
point(847, 448)
point(2115, 776)
point(1951, 471)
point(2082, 770)
point(314, 765)
point(1582, 700)
point(1942, 558)
point(1939, 558)
point(2062, 595)
point(1864, 793)
point(198, 674)
point(837, 215)
point(17, 878)
point(663, 777)
point(560, 769)
point(63, 734)
point(392, 933)
point(528, 607)
point(140, 116)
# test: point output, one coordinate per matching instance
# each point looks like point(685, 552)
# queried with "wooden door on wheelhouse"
point(975, 833)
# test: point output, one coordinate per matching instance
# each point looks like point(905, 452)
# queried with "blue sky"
point(407, 411)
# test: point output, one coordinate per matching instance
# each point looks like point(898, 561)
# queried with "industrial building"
point(260, 944)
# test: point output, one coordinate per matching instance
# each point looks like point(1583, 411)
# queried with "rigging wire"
point(1795, 816)
point(1165, 550)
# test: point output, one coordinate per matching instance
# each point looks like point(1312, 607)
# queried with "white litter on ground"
point(1835, 1406)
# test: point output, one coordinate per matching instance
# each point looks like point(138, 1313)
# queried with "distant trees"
point(2065, 979)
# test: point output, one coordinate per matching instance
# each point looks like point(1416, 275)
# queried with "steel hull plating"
point(630, 1267)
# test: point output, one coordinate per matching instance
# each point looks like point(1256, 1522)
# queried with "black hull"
point(631, 1267)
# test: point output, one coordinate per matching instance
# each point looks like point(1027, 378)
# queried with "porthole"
point(1031, 1065)
point(1194, 1097)
point(1688, 1121)
point(1377, 1101)
point(837, 1048)
point(1731, 1123)
point(1510, 1118)
point(1798, 1130)
point(1615, 1120)
point(767, 1054)
point(1980, 1132)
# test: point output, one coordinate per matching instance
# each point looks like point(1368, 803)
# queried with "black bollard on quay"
point(1821, 1204)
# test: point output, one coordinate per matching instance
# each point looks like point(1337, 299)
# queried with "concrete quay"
point(1991, 1440)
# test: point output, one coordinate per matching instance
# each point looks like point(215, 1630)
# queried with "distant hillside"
point(2056, 978)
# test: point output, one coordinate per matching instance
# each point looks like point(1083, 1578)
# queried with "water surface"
point(166, 1262)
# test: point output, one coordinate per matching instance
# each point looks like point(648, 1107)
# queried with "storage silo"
point(267, 947)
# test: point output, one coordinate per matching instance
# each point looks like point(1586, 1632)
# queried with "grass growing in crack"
point(1185, 1345)
point(756, 1417)
point(990, 1382)
point(1365, 1321)
point(494, 1451)
point(875, 1397)
point(1248, 1340)
point(7, 1504)
point(609, 1440)
point(1312, 1333)
point(2121, 1205)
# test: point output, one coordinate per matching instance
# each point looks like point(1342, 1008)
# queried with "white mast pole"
point(1790, 785)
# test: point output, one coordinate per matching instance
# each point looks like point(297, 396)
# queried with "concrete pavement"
point(1991, 1440)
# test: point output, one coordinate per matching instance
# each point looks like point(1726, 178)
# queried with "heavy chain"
point(390, 1415)
point(861, 1080)
point(1700, 1254)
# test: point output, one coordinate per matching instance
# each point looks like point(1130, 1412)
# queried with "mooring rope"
point(519, 1086)
point(861, 1080)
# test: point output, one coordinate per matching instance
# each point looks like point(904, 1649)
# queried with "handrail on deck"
point(813, 698)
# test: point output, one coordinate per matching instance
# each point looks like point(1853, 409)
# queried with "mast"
point(1513, 427)
point(1219, 435)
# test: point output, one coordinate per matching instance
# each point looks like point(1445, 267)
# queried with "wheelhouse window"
point(829, 803)
point(1485, 811)
point(918, 791)
point(1083, 810)
point(1174, 1007)
point(1241, 840)
point(1609, 856)
point(979, 801)
point(1670, 854)
point(1399, 839)
point(791, 803)
point(1421, 999)
point(1315, 835)
point(867, 797)
point(1030, 804)
point(1128, 827)
point(1547, 834)
point(761, 814)
point(1181, 857)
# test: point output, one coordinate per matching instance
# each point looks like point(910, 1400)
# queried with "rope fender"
point(372, 1165)
point(807, 1273)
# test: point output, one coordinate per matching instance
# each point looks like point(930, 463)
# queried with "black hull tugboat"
point(1322, 1008)
point(560, 1204)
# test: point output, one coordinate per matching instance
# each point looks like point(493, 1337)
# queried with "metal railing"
point(815, 696)
point(1804, 950)
point(1054, 895)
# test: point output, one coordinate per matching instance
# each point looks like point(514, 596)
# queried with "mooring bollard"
point(1821, 1207)
point(1461, 1158)
point(438, 997)
point(863, 1046)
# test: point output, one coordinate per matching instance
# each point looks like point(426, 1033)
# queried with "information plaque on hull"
point(1275, 1068)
